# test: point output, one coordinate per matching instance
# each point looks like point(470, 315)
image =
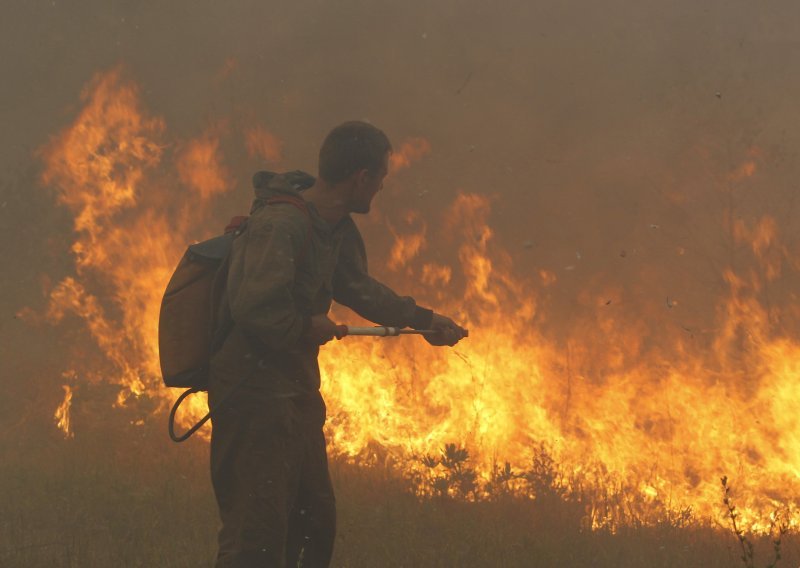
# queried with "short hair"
point(352, 146)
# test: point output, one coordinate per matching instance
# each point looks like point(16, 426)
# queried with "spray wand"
point(382, 331)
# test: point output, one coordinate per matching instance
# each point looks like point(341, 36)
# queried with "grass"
point(118, 494)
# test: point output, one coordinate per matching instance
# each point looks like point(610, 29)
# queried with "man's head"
point(355, 158)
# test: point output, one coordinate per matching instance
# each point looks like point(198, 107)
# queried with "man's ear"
point(361, 177)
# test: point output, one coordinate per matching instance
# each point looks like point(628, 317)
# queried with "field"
point(122, 494)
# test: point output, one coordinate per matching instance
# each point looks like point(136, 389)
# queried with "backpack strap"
point(300, 204)
point(237, 223)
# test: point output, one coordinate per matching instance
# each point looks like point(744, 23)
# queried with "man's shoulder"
point(280, 215)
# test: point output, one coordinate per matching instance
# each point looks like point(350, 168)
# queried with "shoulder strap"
point(300, 203)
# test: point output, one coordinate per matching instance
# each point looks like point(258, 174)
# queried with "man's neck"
point(329, 202)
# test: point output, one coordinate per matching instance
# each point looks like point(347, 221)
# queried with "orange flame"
point(106, 167)
point(263, 144)
point(764, 241)
point(200, 168)
point(436, 275)
point(744, 171)
point(62, 413)
point(410, 151)
point(407, 247)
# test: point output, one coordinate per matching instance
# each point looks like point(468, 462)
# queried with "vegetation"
point(120, 494)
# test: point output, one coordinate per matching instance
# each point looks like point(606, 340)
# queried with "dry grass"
point(123, 495)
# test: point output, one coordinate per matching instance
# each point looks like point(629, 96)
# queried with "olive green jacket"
point(285, 267)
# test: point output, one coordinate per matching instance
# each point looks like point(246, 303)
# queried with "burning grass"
point(120, 494)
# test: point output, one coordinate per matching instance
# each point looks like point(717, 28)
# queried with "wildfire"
point(409, 152)
point(199, 167)
point(614, 403)
point(262, 143)
point(62, 413)
point(407, 247)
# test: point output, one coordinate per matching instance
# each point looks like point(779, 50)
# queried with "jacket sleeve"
point(356, 289)
point(262, 274)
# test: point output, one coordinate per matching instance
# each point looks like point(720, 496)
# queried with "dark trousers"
point(269, 470)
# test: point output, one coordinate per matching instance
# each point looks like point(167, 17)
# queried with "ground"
point(121, 494)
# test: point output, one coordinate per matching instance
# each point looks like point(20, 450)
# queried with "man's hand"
point(449, 332)
point(321, 330)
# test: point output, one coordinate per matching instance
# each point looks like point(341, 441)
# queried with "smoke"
point(610, 138)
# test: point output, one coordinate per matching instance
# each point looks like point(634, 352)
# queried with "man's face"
point(366, 185)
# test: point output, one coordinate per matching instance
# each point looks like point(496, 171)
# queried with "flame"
point(410, 151)
point(435, 274)
point(263, 144)
point(407, 247)
point(764, 240)
point(744, 171)
point(62, 413)
point(200, 168)
point(136, 207)
point(619, 400)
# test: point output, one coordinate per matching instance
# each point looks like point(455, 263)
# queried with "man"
point(299, 252)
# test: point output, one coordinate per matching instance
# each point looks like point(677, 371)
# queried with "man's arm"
point(356, 289)
point(262, 274)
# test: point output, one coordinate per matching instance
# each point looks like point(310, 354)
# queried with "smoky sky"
point(606, 134)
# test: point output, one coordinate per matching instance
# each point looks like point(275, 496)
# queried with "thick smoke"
point(611, 137)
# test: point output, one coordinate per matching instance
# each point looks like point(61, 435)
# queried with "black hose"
point(173, 436)
point(188, 434)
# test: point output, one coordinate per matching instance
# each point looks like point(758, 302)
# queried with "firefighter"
point(299, 252)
